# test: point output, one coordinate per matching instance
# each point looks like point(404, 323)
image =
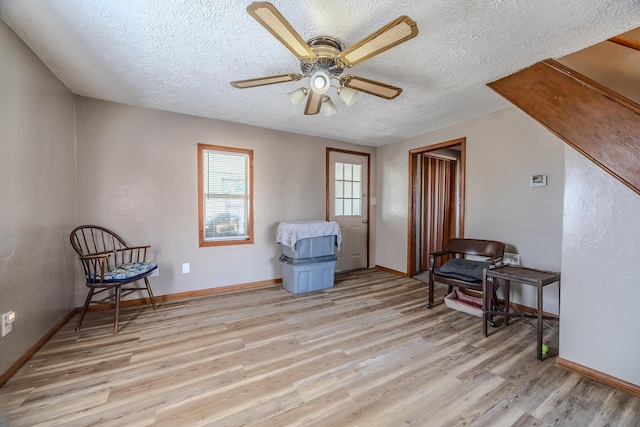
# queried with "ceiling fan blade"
point(267, 15)
point(262, 81)
point(371, 87)
point(392, 34)
point(314, 103)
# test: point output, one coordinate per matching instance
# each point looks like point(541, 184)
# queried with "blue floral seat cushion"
point(126, 272)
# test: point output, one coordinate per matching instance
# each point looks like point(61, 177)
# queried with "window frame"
point(201, 204)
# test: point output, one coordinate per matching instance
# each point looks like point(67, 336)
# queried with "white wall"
point(503, 150)
point(37, 197)
point(600, 319)
point(137, 174)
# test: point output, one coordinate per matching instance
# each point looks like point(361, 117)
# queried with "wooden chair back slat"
point(93, 239)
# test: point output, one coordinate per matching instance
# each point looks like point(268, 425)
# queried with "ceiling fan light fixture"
point(298, 95)
point(347, 95)
point(323, 58)
point(328, 106)
point(320, 82)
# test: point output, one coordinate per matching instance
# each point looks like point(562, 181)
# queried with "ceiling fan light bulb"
point(347, 95)
point(320, 82)
point(298, 95)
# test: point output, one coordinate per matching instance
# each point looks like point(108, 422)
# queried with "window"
point(348, 189)
point(225, 195)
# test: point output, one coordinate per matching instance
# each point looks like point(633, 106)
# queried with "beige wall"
point(37, 197)
point(600, 267)
point(600, 271)
point(503, 150)
point(137, 174)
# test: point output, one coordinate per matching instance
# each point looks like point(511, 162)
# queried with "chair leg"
point(84, 308)
point(430, 302)
point(153, 300)
point(117, 310)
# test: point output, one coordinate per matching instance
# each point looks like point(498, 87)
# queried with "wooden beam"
point(599, 123)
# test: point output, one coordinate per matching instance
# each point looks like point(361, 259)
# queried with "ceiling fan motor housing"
point(327, 49)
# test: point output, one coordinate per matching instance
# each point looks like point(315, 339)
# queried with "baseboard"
point(188, 295)
point(34, 348)
point(603, 378)
point(389, 270)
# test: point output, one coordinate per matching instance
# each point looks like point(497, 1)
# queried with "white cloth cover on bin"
point(288, 233)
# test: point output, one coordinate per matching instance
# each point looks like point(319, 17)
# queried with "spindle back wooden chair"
point(111, 267)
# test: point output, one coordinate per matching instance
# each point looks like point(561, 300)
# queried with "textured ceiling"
point(181, 55)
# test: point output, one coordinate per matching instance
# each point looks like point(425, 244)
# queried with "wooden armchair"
point(110, 267)
point(460, 272)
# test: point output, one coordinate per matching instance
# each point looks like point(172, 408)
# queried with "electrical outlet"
point(185, 268)
point(7, 322)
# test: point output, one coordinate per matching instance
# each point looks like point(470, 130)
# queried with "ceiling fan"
point(323, 58)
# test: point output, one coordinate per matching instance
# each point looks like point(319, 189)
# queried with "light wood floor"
point(366, 352)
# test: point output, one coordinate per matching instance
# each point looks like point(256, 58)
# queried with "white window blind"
point(226, 195)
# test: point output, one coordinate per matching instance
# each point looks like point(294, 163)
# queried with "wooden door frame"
point(327, 184)
point(414, 196)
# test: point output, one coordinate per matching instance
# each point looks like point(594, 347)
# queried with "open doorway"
point(436, 200)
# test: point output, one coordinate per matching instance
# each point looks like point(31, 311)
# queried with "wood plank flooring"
point(364, 353)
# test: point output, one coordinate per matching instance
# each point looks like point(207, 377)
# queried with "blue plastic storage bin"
point(311, 247)
point(307, 275)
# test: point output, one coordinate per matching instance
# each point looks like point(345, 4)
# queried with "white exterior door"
point(348, 206)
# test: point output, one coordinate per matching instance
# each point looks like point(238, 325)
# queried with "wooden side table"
point(527, 276)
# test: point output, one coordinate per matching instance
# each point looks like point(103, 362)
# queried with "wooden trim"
point(201, 225)
point(623, 41)
point(601, 377)
point(414, 196)
point(600, 124)
point(592, 84)
point(327, 184)
point(15, 367)
point(389, 270)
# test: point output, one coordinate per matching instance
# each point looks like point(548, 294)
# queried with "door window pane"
point(348, 172)
point(348, 189)
point(357, 209)
point(348, 193)
point(348, 207)
point(357, 173)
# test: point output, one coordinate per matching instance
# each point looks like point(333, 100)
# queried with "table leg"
point(507, 293)
point(485, 316)
point(539, 326)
